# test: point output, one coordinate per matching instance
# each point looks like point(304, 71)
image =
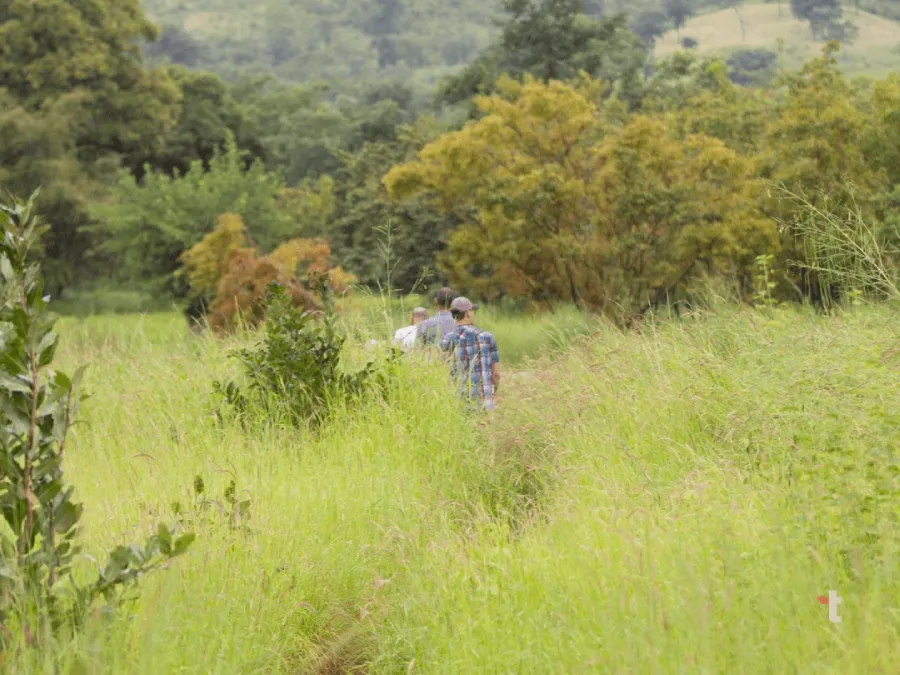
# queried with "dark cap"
point(444, 297)
point(462, 305)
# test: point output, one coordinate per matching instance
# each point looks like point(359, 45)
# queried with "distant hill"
point(418, 41)
point(876, 51)
point(332, 40)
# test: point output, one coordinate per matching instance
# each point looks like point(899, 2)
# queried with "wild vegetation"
point(642, 500)
point(690, 264)
point(43, 601)
point(301, 40)
point(178, 149)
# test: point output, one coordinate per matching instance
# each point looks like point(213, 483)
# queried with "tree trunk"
point(737, 10)
point(573, 290)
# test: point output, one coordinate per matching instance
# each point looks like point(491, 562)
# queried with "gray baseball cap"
point(462, 305)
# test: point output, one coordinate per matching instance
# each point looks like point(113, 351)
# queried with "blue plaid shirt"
point(473, 351)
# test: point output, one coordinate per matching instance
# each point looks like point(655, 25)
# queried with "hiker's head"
point(443, 298)
point(463, 310)
point(418, 315)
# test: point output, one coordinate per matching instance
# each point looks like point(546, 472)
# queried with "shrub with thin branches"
point(841, 247)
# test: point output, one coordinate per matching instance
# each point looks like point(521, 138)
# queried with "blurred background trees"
point(589, 171)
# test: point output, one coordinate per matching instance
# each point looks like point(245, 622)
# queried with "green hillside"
point(418, 42)
point(331, 40)
point(875, 51)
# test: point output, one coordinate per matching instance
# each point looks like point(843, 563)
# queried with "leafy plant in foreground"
point(298, 367)
point(39, 594)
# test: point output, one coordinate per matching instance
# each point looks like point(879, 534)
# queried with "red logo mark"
point(823, 599)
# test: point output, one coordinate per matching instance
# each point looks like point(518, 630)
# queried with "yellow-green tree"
point(817, 156)
point(671, 210)
point(816, 139)
point(520, 179)
point(883, 148)
point(884, 142)
point(736, 115)
point(206, 262)
point(307, 257)
point(562, 205)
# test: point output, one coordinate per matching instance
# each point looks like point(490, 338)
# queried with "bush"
point(206, 262)
point(229, 277)
point(649, 26)
point(297, 368)
point(146, 226)
point(39, 595)
point(752, 67)
point(242, 291)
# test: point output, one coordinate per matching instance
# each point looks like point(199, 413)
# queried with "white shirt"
point(405, 337)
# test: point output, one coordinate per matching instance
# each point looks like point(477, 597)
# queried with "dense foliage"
point(552, 40)
point(569, 204)
point(566, 197)
point(298, 369)
point(232, 278)
point(654, 175)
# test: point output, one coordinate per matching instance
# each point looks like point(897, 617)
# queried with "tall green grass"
point(672, 500)
point(708, 482)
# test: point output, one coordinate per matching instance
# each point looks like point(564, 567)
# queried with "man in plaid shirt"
point(474, 355)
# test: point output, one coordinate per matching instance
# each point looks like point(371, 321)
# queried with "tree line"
point(560, 165)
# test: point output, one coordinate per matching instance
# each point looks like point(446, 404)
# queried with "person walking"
point(406, 336)
point(432, 331)
point(474, 355)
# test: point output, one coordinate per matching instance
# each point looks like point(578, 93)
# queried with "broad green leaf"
point(183, 542)
point(165, 539)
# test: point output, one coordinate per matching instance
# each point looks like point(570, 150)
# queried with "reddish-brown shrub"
point(243, 286)
point(222, 267)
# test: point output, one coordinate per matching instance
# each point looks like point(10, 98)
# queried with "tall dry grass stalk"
point(842, 248)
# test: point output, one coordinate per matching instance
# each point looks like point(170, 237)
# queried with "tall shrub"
point(298, 367)
point(39, 596)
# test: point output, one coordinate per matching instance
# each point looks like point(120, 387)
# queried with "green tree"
point(77, 100)
point(145, 226)
point(816, 138)
point(551, 40)
point(175, 45)
point(383, 26)
point(304, 134)
point(650, 26)
point(55, 48)
point(679, 11)
point(208, 117)
point(559, 204)
point(39, 148)
point(698, 93)
point(816, 150)
point(677, 79)
point(365, 216)
point(883, 140)
point(338, 42)
point(825, 18)
point(752, 67)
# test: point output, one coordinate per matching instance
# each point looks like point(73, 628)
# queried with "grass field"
point(669, 500)
point(875, 52)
